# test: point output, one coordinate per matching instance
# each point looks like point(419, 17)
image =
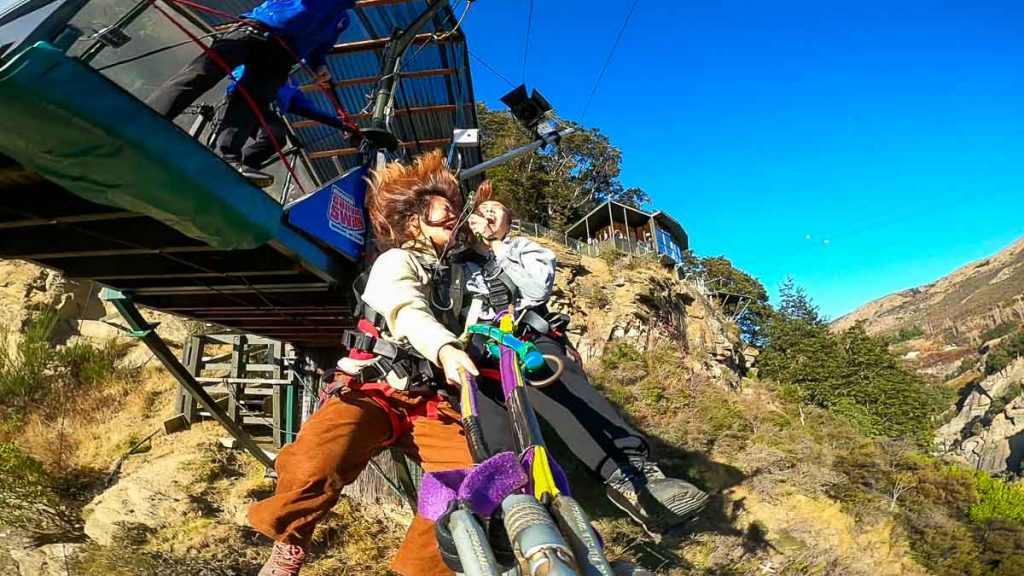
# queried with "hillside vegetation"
point(818, 465)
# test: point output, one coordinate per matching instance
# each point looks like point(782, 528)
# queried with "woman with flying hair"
point(414, 211)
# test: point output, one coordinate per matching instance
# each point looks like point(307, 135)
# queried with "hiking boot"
point(623, 568)
point(259, 179)
point(285, 560)
point(656, 502)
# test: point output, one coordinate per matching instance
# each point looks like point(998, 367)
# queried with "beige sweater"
point(398, 288)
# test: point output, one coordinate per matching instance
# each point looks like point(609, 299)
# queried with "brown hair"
point(398, 192)
point(485, 193)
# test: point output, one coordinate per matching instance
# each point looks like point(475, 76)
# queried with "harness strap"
point(502, 290)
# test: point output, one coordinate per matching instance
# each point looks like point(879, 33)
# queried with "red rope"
point(339, 110)
point(212, 54)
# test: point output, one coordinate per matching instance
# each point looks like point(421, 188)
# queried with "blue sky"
point(892, 130)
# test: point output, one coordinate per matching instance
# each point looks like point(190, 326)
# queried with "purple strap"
point(484, 486)
point(507, 365)
point(561, 481)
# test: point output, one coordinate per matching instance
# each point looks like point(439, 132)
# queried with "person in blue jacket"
point(289, 99)
point(267, 39)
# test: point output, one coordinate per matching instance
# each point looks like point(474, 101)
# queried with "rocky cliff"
point(987, 432)
point(640, 302)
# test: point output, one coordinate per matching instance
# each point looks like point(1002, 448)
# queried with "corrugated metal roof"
point(452, 90)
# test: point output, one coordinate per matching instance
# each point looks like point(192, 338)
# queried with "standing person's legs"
point(438, 443)
point(260, 147)
point(331, 450)
point(266, 70)
point(201, 74)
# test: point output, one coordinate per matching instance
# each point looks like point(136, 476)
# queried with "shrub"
point(28, 498)
point(25, 362)
point(999, 330)
point(1004, 353)
point(852, 373)
point(908, 334)
point(997, 500)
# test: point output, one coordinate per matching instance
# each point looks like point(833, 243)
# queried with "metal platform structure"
point(291, 288)
point(281, 284)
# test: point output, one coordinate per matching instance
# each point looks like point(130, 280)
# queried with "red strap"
point(396, 421)
point(490, 373)
point(212, 55)
point(366, 326)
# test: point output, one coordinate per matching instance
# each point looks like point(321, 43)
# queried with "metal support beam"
point(349, 82)
point(535, 145)
point(391, 66)
point(353, 151)
point(142, 329)
point(402, 112)
point(378, 43)
point(372, 3)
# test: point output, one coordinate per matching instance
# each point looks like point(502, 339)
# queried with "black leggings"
point(585, 420)
point(267, 64)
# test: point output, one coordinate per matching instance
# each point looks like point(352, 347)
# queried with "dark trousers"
point(267, 64)
point(259, 147)
point(586, 421)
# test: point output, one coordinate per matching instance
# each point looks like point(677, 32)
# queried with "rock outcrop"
point(26, 289)
point(645, 304)
point(983, 437)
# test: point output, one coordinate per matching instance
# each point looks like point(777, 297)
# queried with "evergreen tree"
point(851, 373)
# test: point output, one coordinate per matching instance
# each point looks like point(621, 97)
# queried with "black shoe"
point(623, 568)
point(656, 502)
point(260, 179)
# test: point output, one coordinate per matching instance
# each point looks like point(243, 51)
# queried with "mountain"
point(960, 306)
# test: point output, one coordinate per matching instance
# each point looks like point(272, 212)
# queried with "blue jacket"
point(310, 27)
point(291, 99)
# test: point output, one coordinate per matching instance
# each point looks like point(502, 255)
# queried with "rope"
point(526, 45)
point(608, 60)
point(491, 68)
point(213, 55)
point(154, 52)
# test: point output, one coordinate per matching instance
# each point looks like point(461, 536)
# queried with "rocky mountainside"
point(951, 331)
point(958, 307)
point(987, 432)
point(788, 479)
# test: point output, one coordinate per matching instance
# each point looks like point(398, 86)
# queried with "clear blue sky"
point(892, 130)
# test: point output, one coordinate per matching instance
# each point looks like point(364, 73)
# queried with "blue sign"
point(336, 213)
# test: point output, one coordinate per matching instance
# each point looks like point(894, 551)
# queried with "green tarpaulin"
point(67, 122)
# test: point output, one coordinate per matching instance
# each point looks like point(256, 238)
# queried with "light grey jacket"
point(530, 266)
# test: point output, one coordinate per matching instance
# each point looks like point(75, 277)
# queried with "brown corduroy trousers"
point(336, 444)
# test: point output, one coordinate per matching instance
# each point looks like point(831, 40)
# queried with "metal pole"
point(393, 60)
point(515, 153)
point(142, 329)
point(611, 226)
point(625, 224)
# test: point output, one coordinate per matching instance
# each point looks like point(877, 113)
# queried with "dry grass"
point(90, 429)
